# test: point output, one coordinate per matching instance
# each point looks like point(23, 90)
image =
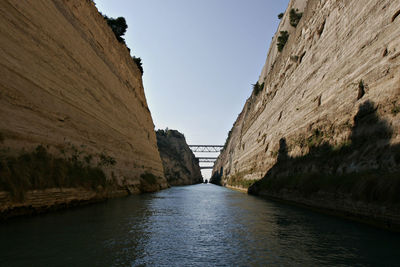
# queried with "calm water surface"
point(201, 225)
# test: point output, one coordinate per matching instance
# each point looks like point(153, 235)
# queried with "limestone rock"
point(67, 84)
point(180, 165)
point(333, 89)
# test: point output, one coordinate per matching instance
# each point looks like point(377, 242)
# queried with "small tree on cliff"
point(118, 26)
point(139, 63)
point(282, 39)
point(295, 17)
point(257, 88)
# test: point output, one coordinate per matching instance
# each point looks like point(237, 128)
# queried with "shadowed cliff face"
point(180, 165)
point(356, 179)
point(67, 86)
point(367, 167)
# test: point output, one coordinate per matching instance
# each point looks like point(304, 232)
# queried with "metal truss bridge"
point(206, 159)
point(206, 149)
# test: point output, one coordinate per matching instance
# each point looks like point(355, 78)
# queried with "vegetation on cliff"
point(119, 26)
point(304, 136)
point(282, 40)
point(149, 182)
point(294, 17)
point(325, 167)
point(38, 170)
point(98, 88)
point(139, 64)
point(257, 88)
point(237, 180)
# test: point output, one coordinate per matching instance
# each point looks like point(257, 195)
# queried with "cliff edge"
point(74, 122)
point(322, 126)
point(180, 165)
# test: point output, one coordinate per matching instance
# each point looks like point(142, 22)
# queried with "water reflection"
point(103, 234)
point(202, 225)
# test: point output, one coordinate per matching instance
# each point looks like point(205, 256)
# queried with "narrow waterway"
point(200, 225)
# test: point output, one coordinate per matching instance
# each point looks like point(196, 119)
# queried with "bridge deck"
point(207, 159)
point(206, 148)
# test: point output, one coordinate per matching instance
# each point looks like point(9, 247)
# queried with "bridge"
point(206, 149)
point(206, 159)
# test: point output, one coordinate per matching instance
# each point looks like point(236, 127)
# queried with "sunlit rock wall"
point(325, 129)
point(68, 84)
point(314, 84)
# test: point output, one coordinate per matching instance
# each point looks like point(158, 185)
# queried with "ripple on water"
point(201, 225)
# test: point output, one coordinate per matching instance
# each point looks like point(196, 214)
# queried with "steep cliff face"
point(329, 107)
point(180, 164)
point(72, 98)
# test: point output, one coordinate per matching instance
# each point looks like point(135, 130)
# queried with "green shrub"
point(315, 139)
point(106, 160)
point(257, 88)
point(118, 26)
point(237, 180)
point(282, 39)
point(325, 167)
point(138, 62)
point(294, 17)
point(280, 15)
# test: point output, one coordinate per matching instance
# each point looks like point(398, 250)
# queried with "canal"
point(200, 225)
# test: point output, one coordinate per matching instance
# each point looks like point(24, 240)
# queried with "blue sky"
point(200, 58)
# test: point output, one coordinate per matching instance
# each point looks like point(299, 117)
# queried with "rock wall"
point(42, 201)
point(69, 86)
point(180, 165)
point(329, 106)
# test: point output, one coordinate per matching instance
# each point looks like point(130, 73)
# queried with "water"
point(201, 225)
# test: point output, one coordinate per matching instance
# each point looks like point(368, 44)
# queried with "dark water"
point(201, 225)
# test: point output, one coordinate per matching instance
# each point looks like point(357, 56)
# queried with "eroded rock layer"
point(180, 165)
point(72, 98)
point(324, 130)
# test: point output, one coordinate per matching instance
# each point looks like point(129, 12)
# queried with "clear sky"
point(200, 58)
